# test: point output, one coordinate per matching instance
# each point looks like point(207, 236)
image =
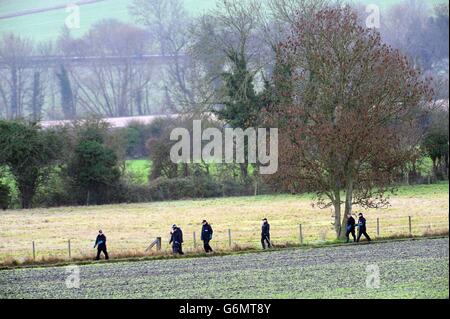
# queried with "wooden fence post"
point(195, 241)
point(34, 252)
point(229, 237)
point(301, 234)
point(410, 225)
point(68, 246)
point(158, 243)
point(378, 227)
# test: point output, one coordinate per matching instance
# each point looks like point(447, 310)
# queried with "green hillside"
point(47, 25)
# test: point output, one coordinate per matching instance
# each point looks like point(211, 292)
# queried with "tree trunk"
point(36, 101)
point(337, 212)
point(348, 205)
point(26, 196)
point(244, 170)
point(14, 94)
point(256, 177)
point(185, 170)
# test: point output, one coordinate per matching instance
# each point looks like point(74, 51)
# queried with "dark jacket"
point(265, 230)
point(350, 223)
point(207, 232)
point(176, 237)
point(362, 223)
point(100, 241)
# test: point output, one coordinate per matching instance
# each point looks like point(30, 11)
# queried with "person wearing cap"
point(265, 234)
point(100, 243)
point(206, 236)
point(176, 239)
point(362, 228)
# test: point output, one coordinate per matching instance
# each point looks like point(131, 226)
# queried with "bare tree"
point(111, 88)
point(14, 81)
point(168, 23)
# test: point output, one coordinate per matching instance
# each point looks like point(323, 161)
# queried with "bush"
point(231, 187)
point(5, 197)
point(174, 188)
point(187, 187)
point(134, 193)
point(54, 192)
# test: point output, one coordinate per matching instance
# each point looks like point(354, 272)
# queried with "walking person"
point(176, 239)
point(362, 230)
point(206, 236)
point(350, 228)
point(265, 234)
point(100, 243)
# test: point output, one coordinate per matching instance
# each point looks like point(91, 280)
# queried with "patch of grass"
point(131, 227)
point(139, 169)
point(423, 191)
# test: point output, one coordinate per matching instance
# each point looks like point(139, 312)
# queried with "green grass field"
point(139, 170)
point(131, 227)
point(47, 25)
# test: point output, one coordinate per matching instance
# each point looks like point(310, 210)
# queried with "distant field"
point(407, 269)
point(47, 25)
point(131, 227)
point(140, 168)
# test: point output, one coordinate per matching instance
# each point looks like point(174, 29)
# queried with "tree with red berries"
point(347, 116)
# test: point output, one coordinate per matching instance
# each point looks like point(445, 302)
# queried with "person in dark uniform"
point(265, 234)
point(176, 239)
point(350, 228)
point(100, 243)
point(206, 236)
point(362, 228)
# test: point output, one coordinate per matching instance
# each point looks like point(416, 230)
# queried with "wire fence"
point(43, 249)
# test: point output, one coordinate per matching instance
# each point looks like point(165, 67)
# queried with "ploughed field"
point(407, 269)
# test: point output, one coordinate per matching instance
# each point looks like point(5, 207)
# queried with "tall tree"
point(14, 51)
point(436, 141)
point(109, 87)
point(241, 105)
point(92, 165)
point(347, 124)
point(67, 99)
point(28, 152)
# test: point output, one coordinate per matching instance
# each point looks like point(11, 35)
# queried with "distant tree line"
point(235, 35)
point(83, 163)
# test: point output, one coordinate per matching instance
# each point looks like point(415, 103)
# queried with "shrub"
point(187, 187)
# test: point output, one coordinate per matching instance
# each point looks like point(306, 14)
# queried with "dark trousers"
point(101, 249)
point(350, 231)
point(363, 232)
point(264, 239)
point(177, 248)
point(206, 246)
